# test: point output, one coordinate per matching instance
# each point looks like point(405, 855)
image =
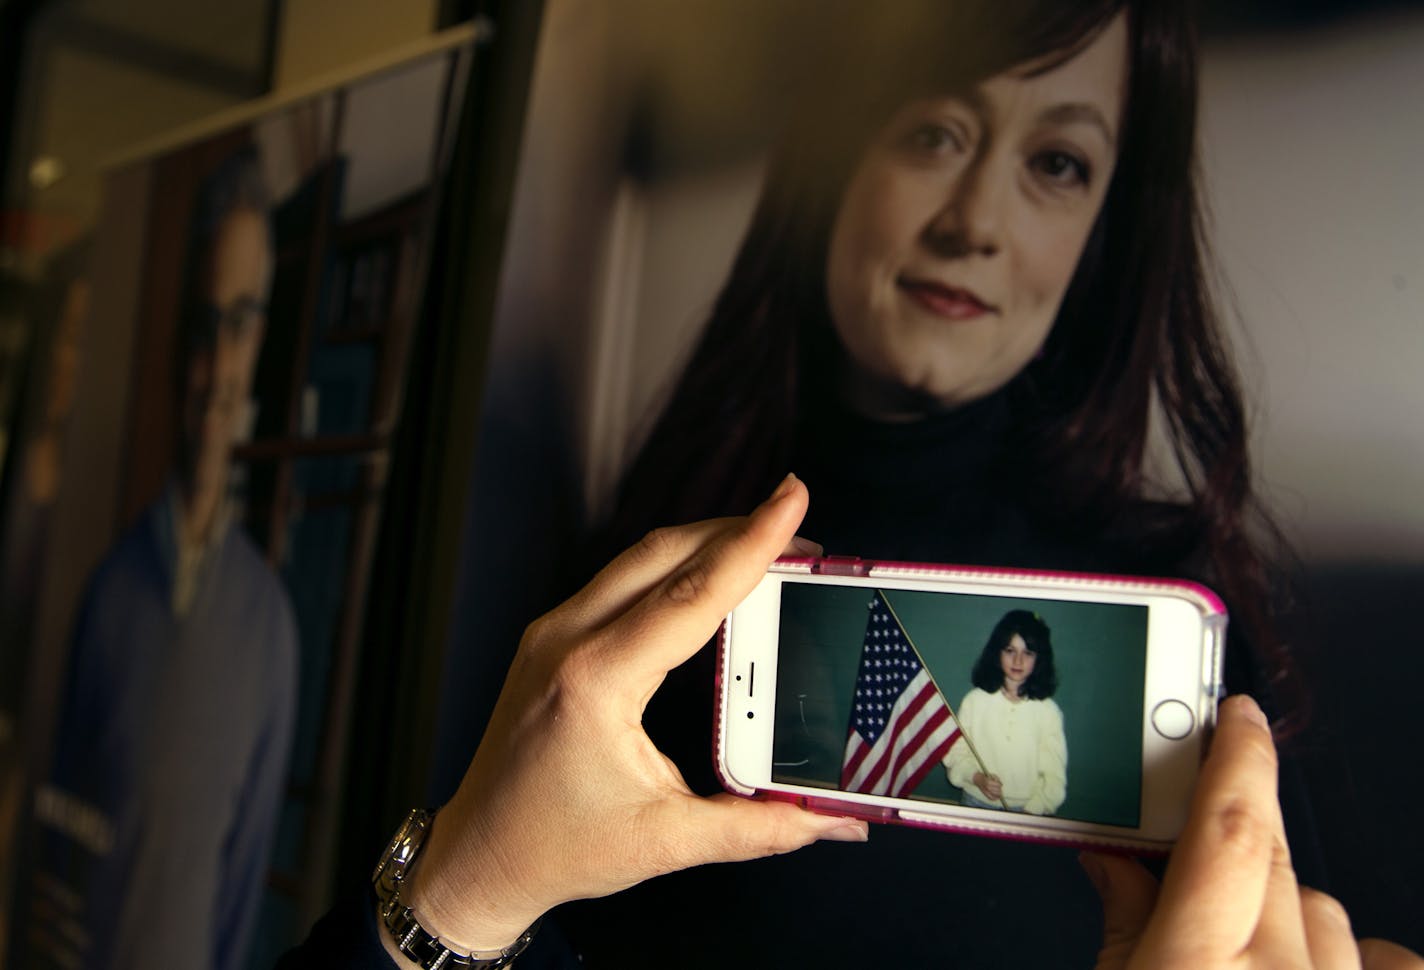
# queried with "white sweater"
point(1021, 742)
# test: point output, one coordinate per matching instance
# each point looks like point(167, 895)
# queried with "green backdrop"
point(1099, 650)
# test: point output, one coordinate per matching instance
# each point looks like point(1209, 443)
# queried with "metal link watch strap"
point(412, 939)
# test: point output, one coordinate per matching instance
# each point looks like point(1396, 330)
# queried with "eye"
point(933, 139)
point(242, 318)
point(1062, 169)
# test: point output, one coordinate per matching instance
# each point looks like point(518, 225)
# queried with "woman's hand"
point(989, 785)
point(1229, 897)
point(566, 797)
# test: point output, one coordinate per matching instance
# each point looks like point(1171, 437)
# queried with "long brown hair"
point(1137, 330)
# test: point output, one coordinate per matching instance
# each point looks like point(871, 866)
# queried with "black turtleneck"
point(927, 490)
point(935, 490)
point(930, 490)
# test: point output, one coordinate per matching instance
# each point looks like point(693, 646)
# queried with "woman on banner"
point(974, 270)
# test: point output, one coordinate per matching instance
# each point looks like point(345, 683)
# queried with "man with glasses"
point(171, 752)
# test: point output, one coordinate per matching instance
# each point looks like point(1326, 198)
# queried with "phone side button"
point(834, 806)
point(1173, 720)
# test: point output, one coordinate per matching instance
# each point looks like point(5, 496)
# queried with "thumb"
point(729, 828)
point(1129, 893)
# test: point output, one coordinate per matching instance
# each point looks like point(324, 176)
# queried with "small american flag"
point(900, 726)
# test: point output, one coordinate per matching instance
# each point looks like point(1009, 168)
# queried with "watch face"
point(401, 851)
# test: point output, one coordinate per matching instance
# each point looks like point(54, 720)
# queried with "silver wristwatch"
point(412, 939)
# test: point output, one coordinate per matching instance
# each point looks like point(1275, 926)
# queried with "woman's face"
point(1016, 660)
point(962, 225)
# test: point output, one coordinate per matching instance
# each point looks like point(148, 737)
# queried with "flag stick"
point(960, 724)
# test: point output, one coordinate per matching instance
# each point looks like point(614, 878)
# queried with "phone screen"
point(876, 692)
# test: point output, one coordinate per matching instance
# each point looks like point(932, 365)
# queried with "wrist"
point(473, 906)
point(459, 926)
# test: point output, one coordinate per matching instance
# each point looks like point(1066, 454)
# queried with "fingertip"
point(1243, 707)
point(783, 490)
point(1328, 935)
point(846, 830)
point(1113, 874)
point(1128, 893)
point(743, 828)
point(801, 546)
point(781, 513)
point(1242, 752)
point(1325, 908)
point(790, 492)
point(1092, 863)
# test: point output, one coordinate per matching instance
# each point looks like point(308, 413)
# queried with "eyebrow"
point(1076, 112)
point(1064, 113)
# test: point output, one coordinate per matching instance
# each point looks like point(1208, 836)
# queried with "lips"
point(949, 302)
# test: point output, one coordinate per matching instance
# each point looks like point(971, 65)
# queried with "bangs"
point(888, 54)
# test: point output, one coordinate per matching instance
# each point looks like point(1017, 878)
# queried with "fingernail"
point(1246, 707)
point(850, 830)
point(784, 489)
point(806, 547)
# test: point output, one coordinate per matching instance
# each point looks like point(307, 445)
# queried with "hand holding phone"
point(567, 797)
point(1229, 897)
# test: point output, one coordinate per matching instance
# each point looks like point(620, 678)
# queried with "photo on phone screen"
point(875, 692)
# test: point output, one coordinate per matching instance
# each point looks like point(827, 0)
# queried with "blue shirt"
point(170, 759)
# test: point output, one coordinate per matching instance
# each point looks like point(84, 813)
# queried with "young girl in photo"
point(1019, 758)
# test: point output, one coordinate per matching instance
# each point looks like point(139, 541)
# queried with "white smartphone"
point(1056, 707)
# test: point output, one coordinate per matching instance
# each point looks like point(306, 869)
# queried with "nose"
point(228, 366)
point(200, 373)
point(970, 222)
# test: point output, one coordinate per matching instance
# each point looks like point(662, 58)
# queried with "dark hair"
point(1137, 330)
point(988, 672)
point(235, 185)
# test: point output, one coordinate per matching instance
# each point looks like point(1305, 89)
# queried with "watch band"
point(410, 937)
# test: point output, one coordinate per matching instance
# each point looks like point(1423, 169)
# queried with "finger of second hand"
point(1376, 954)
point(1216, 883)
point(1281, 932)
point(678, 615)
point(1129, 893)
point(1327, 932)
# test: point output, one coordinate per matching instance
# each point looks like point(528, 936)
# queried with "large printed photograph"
point(680, 323)
point(194, 612)
point(744, 238)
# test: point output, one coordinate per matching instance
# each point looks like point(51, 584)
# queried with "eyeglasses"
point(204, 321)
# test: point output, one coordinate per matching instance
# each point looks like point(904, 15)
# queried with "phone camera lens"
point(750, 715)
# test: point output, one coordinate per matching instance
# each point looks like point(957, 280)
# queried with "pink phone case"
point(1213, 609)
